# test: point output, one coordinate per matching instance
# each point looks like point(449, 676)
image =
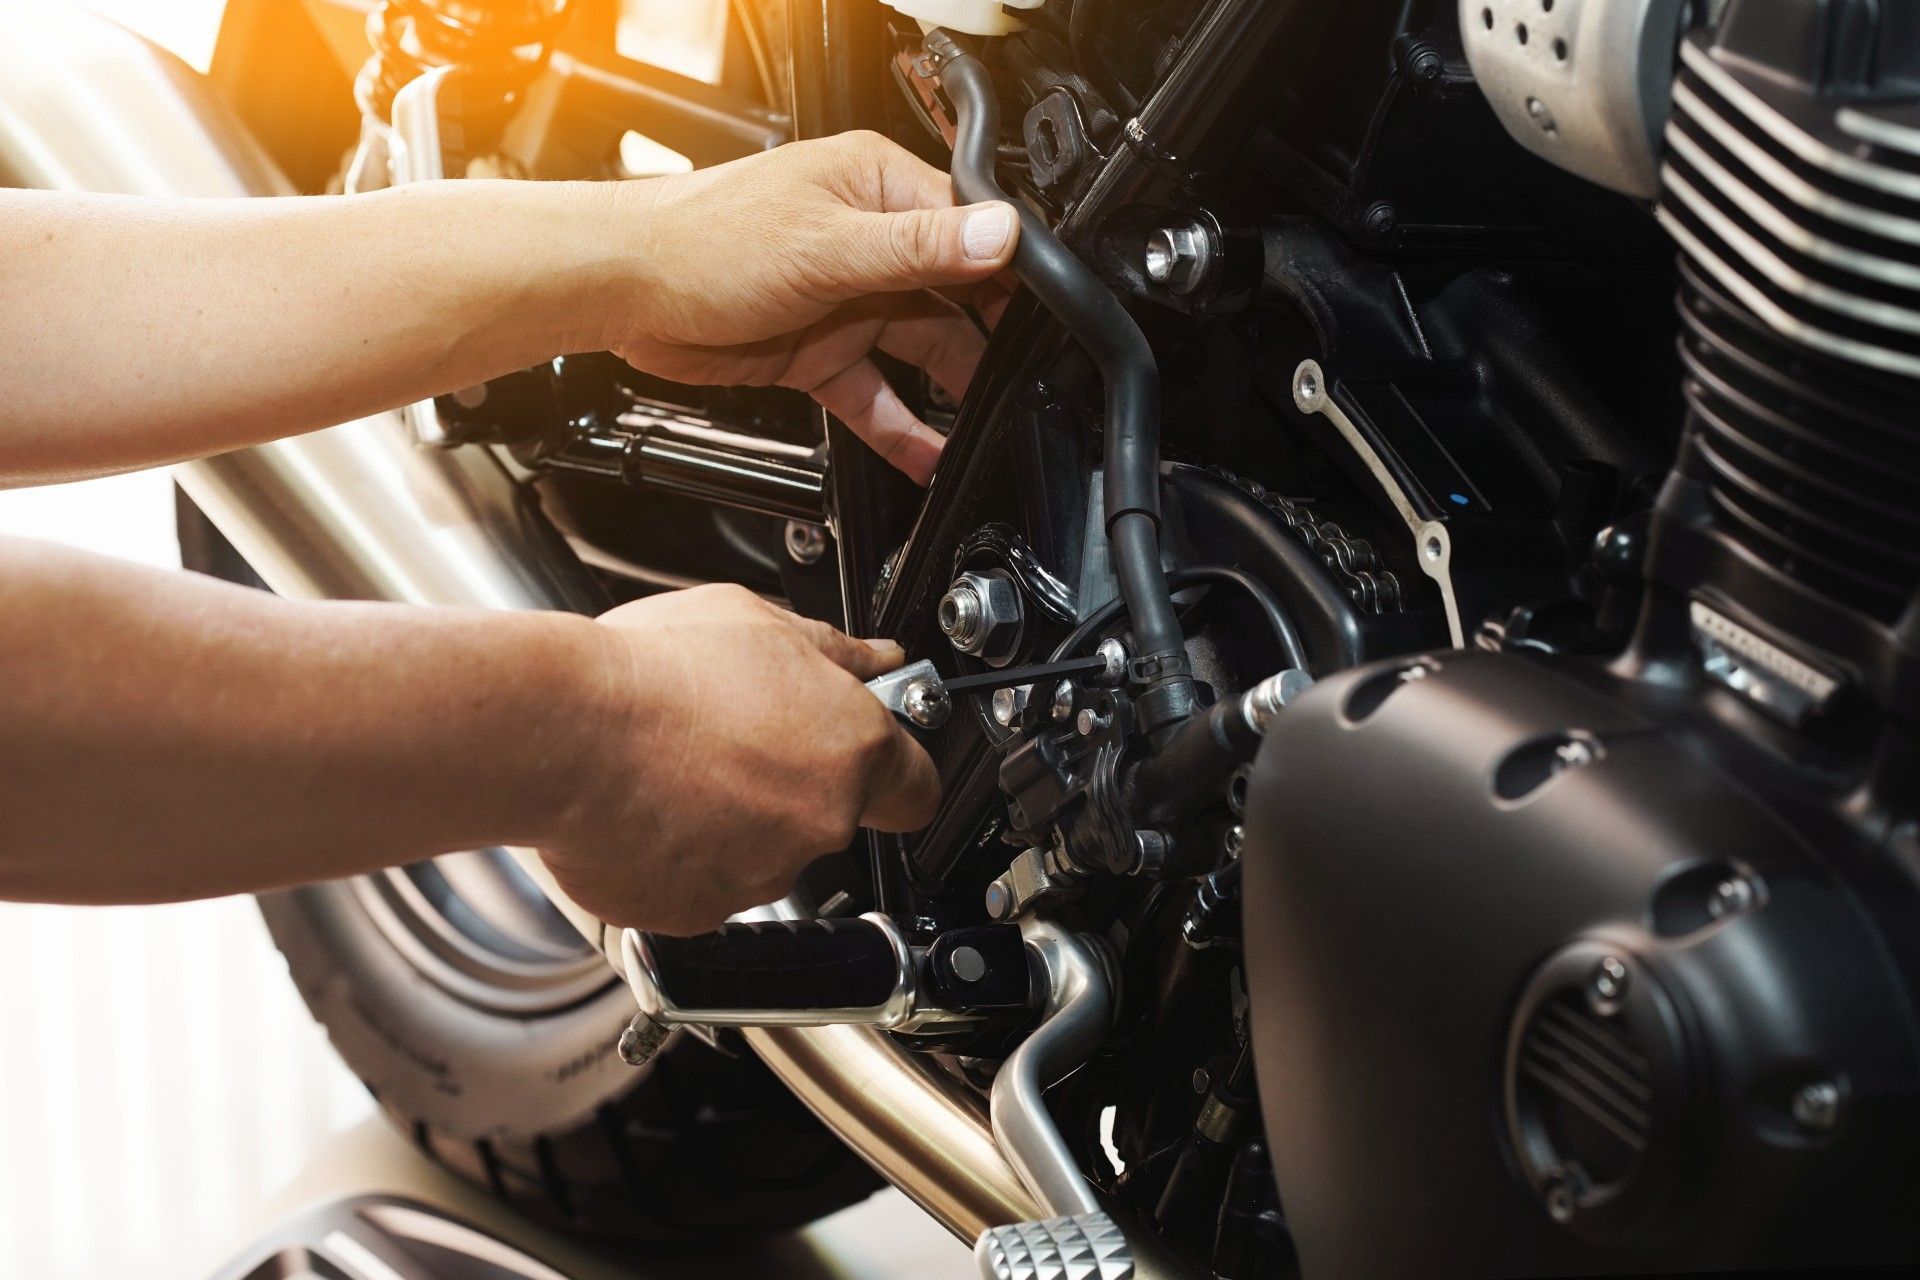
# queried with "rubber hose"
point(1103, 328)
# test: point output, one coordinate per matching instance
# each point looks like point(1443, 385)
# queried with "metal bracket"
point(1432, 544)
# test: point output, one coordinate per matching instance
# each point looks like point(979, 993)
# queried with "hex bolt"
point(1609, 982)
point(1176, 257)
point(1063, 694)
point(981, 615)
point(968, 964)
point(1009, 703)
point(806, 543)
point(641, 1040)
point(1816, 1106)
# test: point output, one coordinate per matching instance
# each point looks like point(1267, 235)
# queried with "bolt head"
point(1731, 897)
point(1816, 1106)
point(1114, 654)
point(806, 543)
point(968, 964)
point(1090, 722)
point(980, 615)
point(1609, 981)
point(1236, 839)
point(1201, 1080)
point(999, 901)
point(1176, 257)
point(926, 704)
point(1009, 703)
point(1560, 1198)
point(1062, 707)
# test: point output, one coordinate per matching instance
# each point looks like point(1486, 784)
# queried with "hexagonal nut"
point(995, 636)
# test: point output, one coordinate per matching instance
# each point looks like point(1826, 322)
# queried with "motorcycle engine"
point(1574, 964)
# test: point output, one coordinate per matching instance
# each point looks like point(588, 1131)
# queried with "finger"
point(931, 333)
point(882, 176)
point(863, 658)
point(919, 248)
point(903, 791)
point(861, 398)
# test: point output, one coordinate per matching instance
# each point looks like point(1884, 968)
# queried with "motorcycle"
point(1416, 618)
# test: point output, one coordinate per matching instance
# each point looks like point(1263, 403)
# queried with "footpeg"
point(1088, 1246)
point(816, 973)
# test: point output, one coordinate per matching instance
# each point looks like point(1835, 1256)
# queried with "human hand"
point(792, 266)
point(738, 745)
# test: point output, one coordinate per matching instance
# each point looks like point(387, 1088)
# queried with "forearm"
point(136, 332)
point(167, 736)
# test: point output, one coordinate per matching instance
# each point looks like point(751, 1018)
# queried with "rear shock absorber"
point(500, 44)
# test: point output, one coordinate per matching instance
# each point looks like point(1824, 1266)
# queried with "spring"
point(504, 43)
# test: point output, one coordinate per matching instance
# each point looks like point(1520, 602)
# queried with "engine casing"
point(1546, 981)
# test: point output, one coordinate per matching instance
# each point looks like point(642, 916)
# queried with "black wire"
point(1081, 35)
point(1274, 613)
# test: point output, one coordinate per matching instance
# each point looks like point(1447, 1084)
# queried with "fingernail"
point(985, 232)
point(882, 645)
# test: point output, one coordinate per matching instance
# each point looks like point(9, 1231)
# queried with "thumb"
point(927, 248)
point(864, 658)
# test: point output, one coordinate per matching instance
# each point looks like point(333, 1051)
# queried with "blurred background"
point(164, 1095)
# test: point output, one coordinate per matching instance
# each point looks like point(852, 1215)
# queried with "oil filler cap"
point(1596, 1091)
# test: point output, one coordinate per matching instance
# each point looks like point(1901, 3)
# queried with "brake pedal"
point(1087, 1246)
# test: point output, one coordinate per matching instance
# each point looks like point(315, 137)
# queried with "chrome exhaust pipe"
point(360, 512)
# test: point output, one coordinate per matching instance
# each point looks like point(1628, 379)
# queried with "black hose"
point(1102, 326)
point(1082, 36)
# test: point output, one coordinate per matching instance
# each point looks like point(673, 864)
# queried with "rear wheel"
point(485, 1027)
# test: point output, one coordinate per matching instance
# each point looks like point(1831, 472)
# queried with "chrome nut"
point(1177, 257)
point(980, 615)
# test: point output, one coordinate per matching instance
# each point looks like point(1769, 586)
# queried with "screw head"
point(1609, 983)
point(1009, 703)
point(999, 901)
point(1201, 1080)
point(1235, 839)
point(1538, 113)
point(926, 704)
point(1816, 1106)
point(1114, 654)
point(968, 964)
point(1380, 218)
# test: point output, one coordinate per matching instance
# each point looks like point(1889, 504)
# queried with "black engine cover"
point(1538, 989)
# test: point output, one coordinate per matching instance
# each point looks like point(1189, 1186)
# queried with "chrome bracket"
point(1432, 544)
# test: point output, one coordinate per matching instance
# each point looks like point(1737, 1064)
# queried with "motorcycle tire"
point(525, 1096)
